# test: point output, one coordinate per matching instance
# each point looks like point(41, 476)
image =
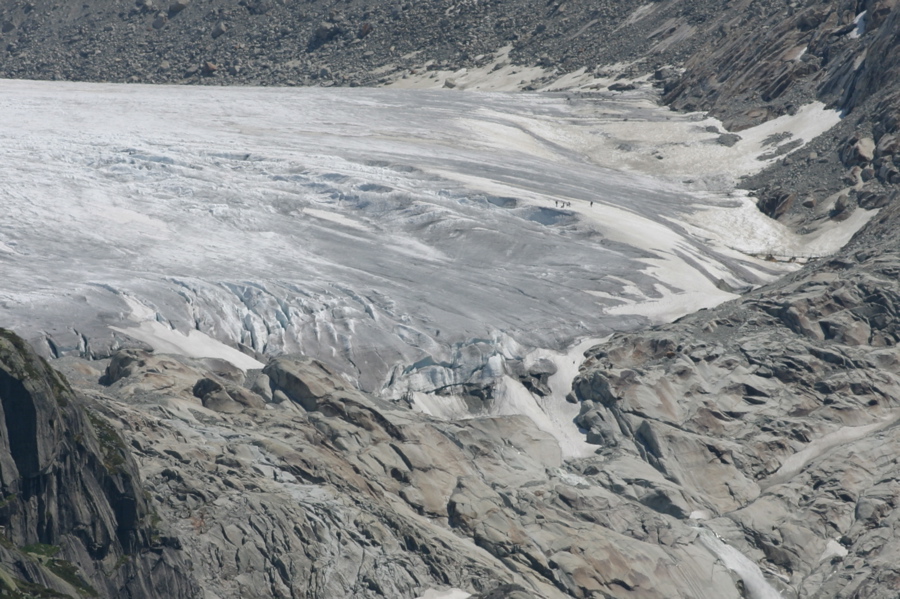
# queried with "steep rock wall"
point(74, 517)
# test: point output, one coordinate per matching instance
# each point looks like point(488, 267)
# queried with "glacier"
point(406, 237)
point(431, 245)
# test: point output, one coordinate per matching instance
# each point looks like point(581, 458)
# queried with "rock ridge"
point(74, 517)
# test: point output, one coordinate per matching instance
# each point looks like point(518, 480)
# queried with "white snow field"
point(415, 239)
point(755, 584)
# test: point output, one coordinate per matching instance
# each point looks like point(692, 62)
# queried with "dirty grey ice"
point(386, 232)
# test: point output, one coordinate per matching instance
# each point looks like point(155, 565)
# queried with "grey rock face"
point(73, 515)
point(728, 139)
point(773, 416)
point(323, 34)
point(287, 43)
point(334, 493)
point(764, 64)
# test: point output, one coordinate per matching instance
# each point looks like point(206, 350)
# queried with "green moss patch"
point(110, 442)
point(69, 572)
point(41, 549)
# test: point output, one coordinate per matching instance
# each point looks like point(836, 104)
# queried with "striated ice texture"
point(413, 239)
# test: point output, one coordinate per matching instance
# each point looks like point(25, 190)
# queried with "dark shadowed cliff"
point(74, 517)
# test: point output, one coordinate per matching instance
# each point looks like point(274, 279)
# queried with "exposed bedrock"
point(773, 417)
point(328, 492)
point(74, 517)
point(759, 434)
point(767, 422)
point(844, 51)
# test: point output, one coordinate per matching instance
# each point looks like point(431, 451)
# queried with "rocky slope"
point(290, 483)
point(74, 517)
point(763, 63)
point(765, 425)
point(775, 416)
point(271, 42)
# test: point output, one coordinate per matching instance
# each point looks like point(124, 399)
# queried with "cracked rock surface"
point(74, 517)
point(773, 417)
point(334, 493)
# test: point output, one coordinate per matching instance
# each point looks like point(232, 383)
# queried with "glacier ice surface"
point(407, 237)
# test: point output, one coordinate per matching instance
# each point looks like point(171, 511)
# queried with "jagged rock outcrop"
point(328, 492)
point(74, 520)
point(774, 415)
point(761, 63)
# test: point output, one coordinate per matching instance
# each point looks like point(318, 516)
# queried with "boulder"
point(728, 139)
point(776, 204)
point(178, 6)
point(888, 145)
point(364, 30)
point(258, 7)
point(323, 33)
point(859, 152)
point(872, 201)
point(305, 381)
point(228, 398)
